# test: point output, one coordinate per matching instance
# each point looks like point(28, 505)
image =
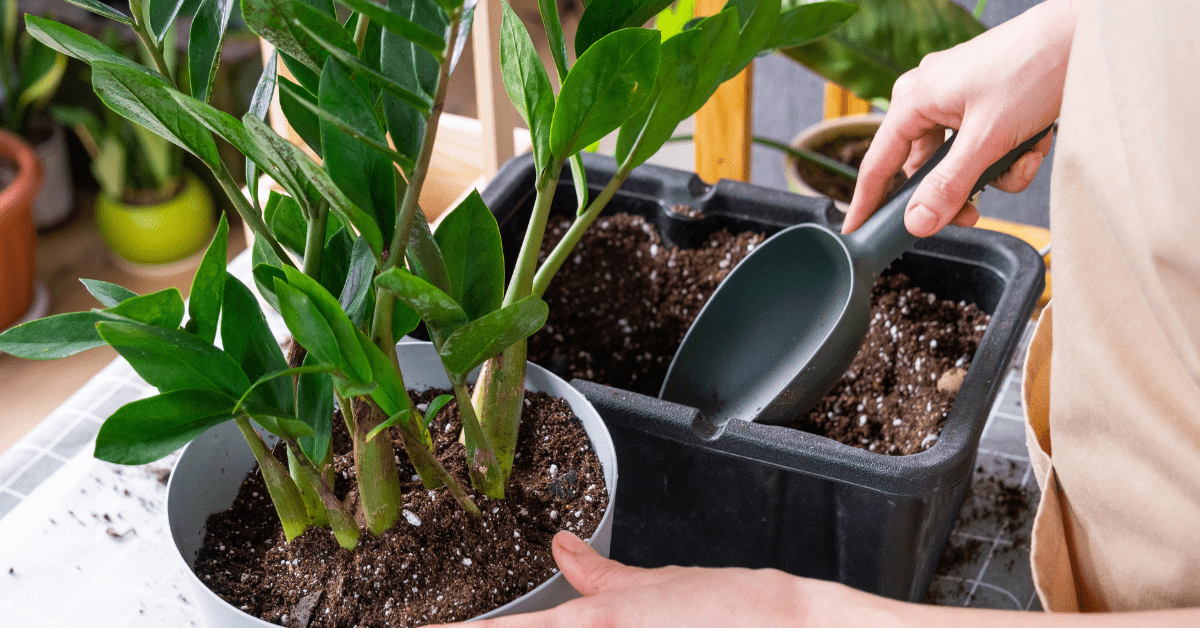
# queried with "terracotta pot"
point(862, 125)
point(17, 235)
point(154, 235)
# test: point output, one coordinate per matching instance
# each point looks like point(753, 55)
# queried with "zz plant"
point(345, 256)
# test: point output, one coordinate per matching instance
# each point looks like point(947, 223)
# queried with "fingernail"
point(1031, 166)
point(570, 543)
point(920, 220)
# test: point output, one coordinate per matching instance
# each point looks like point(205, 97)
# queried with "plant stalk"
point(285, 496)
point(314, 241)
point(482, 464)
point(375, 465)
point(308, 490)
point(252, 218)
point(345, 530)
point(499, 396)
point(521, 284)
point(420, 455)
point(152, 48)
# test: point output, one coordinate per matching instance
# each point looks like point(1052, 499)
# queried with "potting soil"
point(619, 309)
point(849, 151)
point(438, 564)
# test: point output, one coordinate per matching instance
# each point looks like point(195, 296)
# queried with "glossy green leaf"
point(307, 325)
point(554, 36)
point(399, 25)
point(884, 40)
point(482, 338)
point(424, 257)
point(356, 290)
point(208, 286)
point(247, 339)
point(411, 67)
point(314, 406)
point(579, 180)
point(160, 309)
point(312, 117)
point(75, 44)
point(109, 294)
point(646, 132)
point(278, 422)
point(335, 262)
point(352, 363)
point(143, 431)
point(439, 310)
point(404, 319)
point(607, 16)
point(231, 130)
point(608, 84)
point(807, 23)
point(526, 82)
point(39, 75)
point(149, 102)
point(267, 268)
point(390, 394)
point(719, 38)
point(53, 337)
point(174, 360)
point(285, 374)
point(418, 101)
point(349, 389)
point(401, 418)
point(435, 407)
point(260, 104)
point(204, 45)
point(278, 21)
point(469, 240)
point(103, 10)
point(758, 20)
point(161, 14)
point(363, 174)
point(299, 106)
point(283, 215)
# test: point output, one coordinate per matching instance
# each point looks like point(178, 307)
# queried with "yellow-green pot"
point(160, 233)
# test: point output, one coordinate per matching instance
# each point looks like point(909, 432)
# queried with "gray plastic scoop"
point(785, 325)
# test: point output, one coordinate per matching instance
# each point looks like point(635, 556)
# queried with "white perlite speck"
point(467, 562)
point(412, 517)
point(928, 439)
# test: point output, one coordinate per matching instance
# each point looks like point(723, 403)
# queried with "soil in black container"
point(620, 307)
point(438, 564)
point(848, 150)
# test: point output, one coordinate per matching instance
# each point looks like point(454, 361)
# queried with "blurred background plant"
point(30, 73)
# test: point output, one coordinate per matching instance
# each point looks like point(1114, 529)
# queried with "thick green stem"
point(248, 214)
point(345, 530)
point(482, 464)
point(420, 455)
point(308, 490)
point(499, 396)
point(314, 242)
point(152, 47)
point(289, 505)
point(375, 465)
point(521, 284)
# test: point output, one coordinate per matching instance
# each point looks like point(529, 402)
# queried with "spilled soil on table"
point(619, 309)
point(438, 564)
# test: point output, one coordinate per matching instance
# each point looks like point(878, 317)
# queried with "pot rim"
point(29, 172)
point(821, 132)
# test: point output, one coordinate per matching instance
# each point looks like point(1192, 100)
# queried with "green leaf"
point(554, 36)
point(807, 23)
point(286, 220)
point(248, 341)
point(174, 360)
point(160, 309)
point(410, 67)
point(101, 9)
point(149, 102)
point(260, 104)
point(162, 14)
point(299, 107)
point(404, 319)
point(608, 84)
point(314, 406)
point(40, 72)
point(267, 268)
point(439, 310)
point(280, 157)
point(758, 19)
point(469, 240)
point(278, 422)
point(720, 37)
point(204, 45)
point(363, 174)
point(109, 294)
point(348, 389)
point(208, 287)
point(307, 325)
point(527, 84)
point(654, 124)
point(400, 418)
point(434, 407)
point(579, 179)
point(335, 262)
point(278, 21)
point(148, 429)
point(884, 40)
point(284, 374)
point(606, 16)
point(352, 362)
point(357, 288)
point(424, 257)
point(473, 343)
point(53, 337)
point(78, 45)
point(399, 25)
point(390, 394)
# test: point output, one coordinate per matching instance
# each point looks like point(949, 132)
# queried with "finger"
point(967, 216)
point(923, 148)
point(888, 152)
point(947, 187)
point(1021, 173)
point(591, 573)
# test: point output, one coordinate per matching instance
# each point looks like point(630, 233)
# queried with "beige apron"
point(1114, 416)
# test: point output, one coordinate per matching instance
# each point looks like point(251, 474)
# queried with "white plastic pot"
point(57, 198)
point(211, 469)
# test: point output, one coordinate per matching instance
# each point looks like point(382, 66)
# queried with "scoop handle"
point(883, 237)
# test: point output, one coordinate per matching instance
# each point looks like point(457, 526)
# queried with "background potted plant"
point(30, 73)
point(345, 256)
point(20, 180)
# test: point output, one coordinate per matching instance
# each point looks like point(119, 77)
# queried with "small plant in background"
point(30, 72)
point(345, 256)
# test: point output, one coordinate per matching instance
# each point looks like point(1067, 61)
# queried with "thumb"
point(946, 189)
point(587, 571)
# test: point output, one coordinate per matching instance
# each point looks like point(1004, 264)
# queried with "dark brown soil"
point(849, 151)
point(620, 308)
point(438, 564)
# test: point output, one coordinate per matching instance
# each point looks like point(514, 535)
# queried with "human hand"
point(998, 90)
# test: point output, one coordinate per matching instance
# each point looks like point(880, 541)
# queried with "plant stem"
point(375, 465)
point(420, 455)
point(152, 48)
point(360, 31)
point(308, 490)
point(499, 396)
point(810, 156)
point(482, 464)
point(252, 218)
point(521, 284)
point(314, 241)
point(289, 505)
point(345, 530)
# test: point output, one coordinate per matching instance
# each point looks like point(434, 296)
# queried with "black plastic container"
point(770, 496)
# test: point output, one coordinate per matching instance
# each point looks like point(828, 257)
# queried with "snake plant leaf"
point(170, 359)
point(473, 343)
point(108, 294)
point(608, 84)
point(807, 23)
point(355, 293)
point(103, 10)
point(53, 337)
point(469, 240)
point(208, 286)
point(161, 14)
point(148, 429)
point(642, 135)
point(247, 339)
point(159, 309)
point(883, 40)
point(364, 175)
point(351, 362)
point(400, 25)
point(526, 82)
point(77, 45)
point(439, 310)
point(314, 406)
point(602, 17)
point(278, 21)
point(260, 104)
point(144, 99)
point(204, 45)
